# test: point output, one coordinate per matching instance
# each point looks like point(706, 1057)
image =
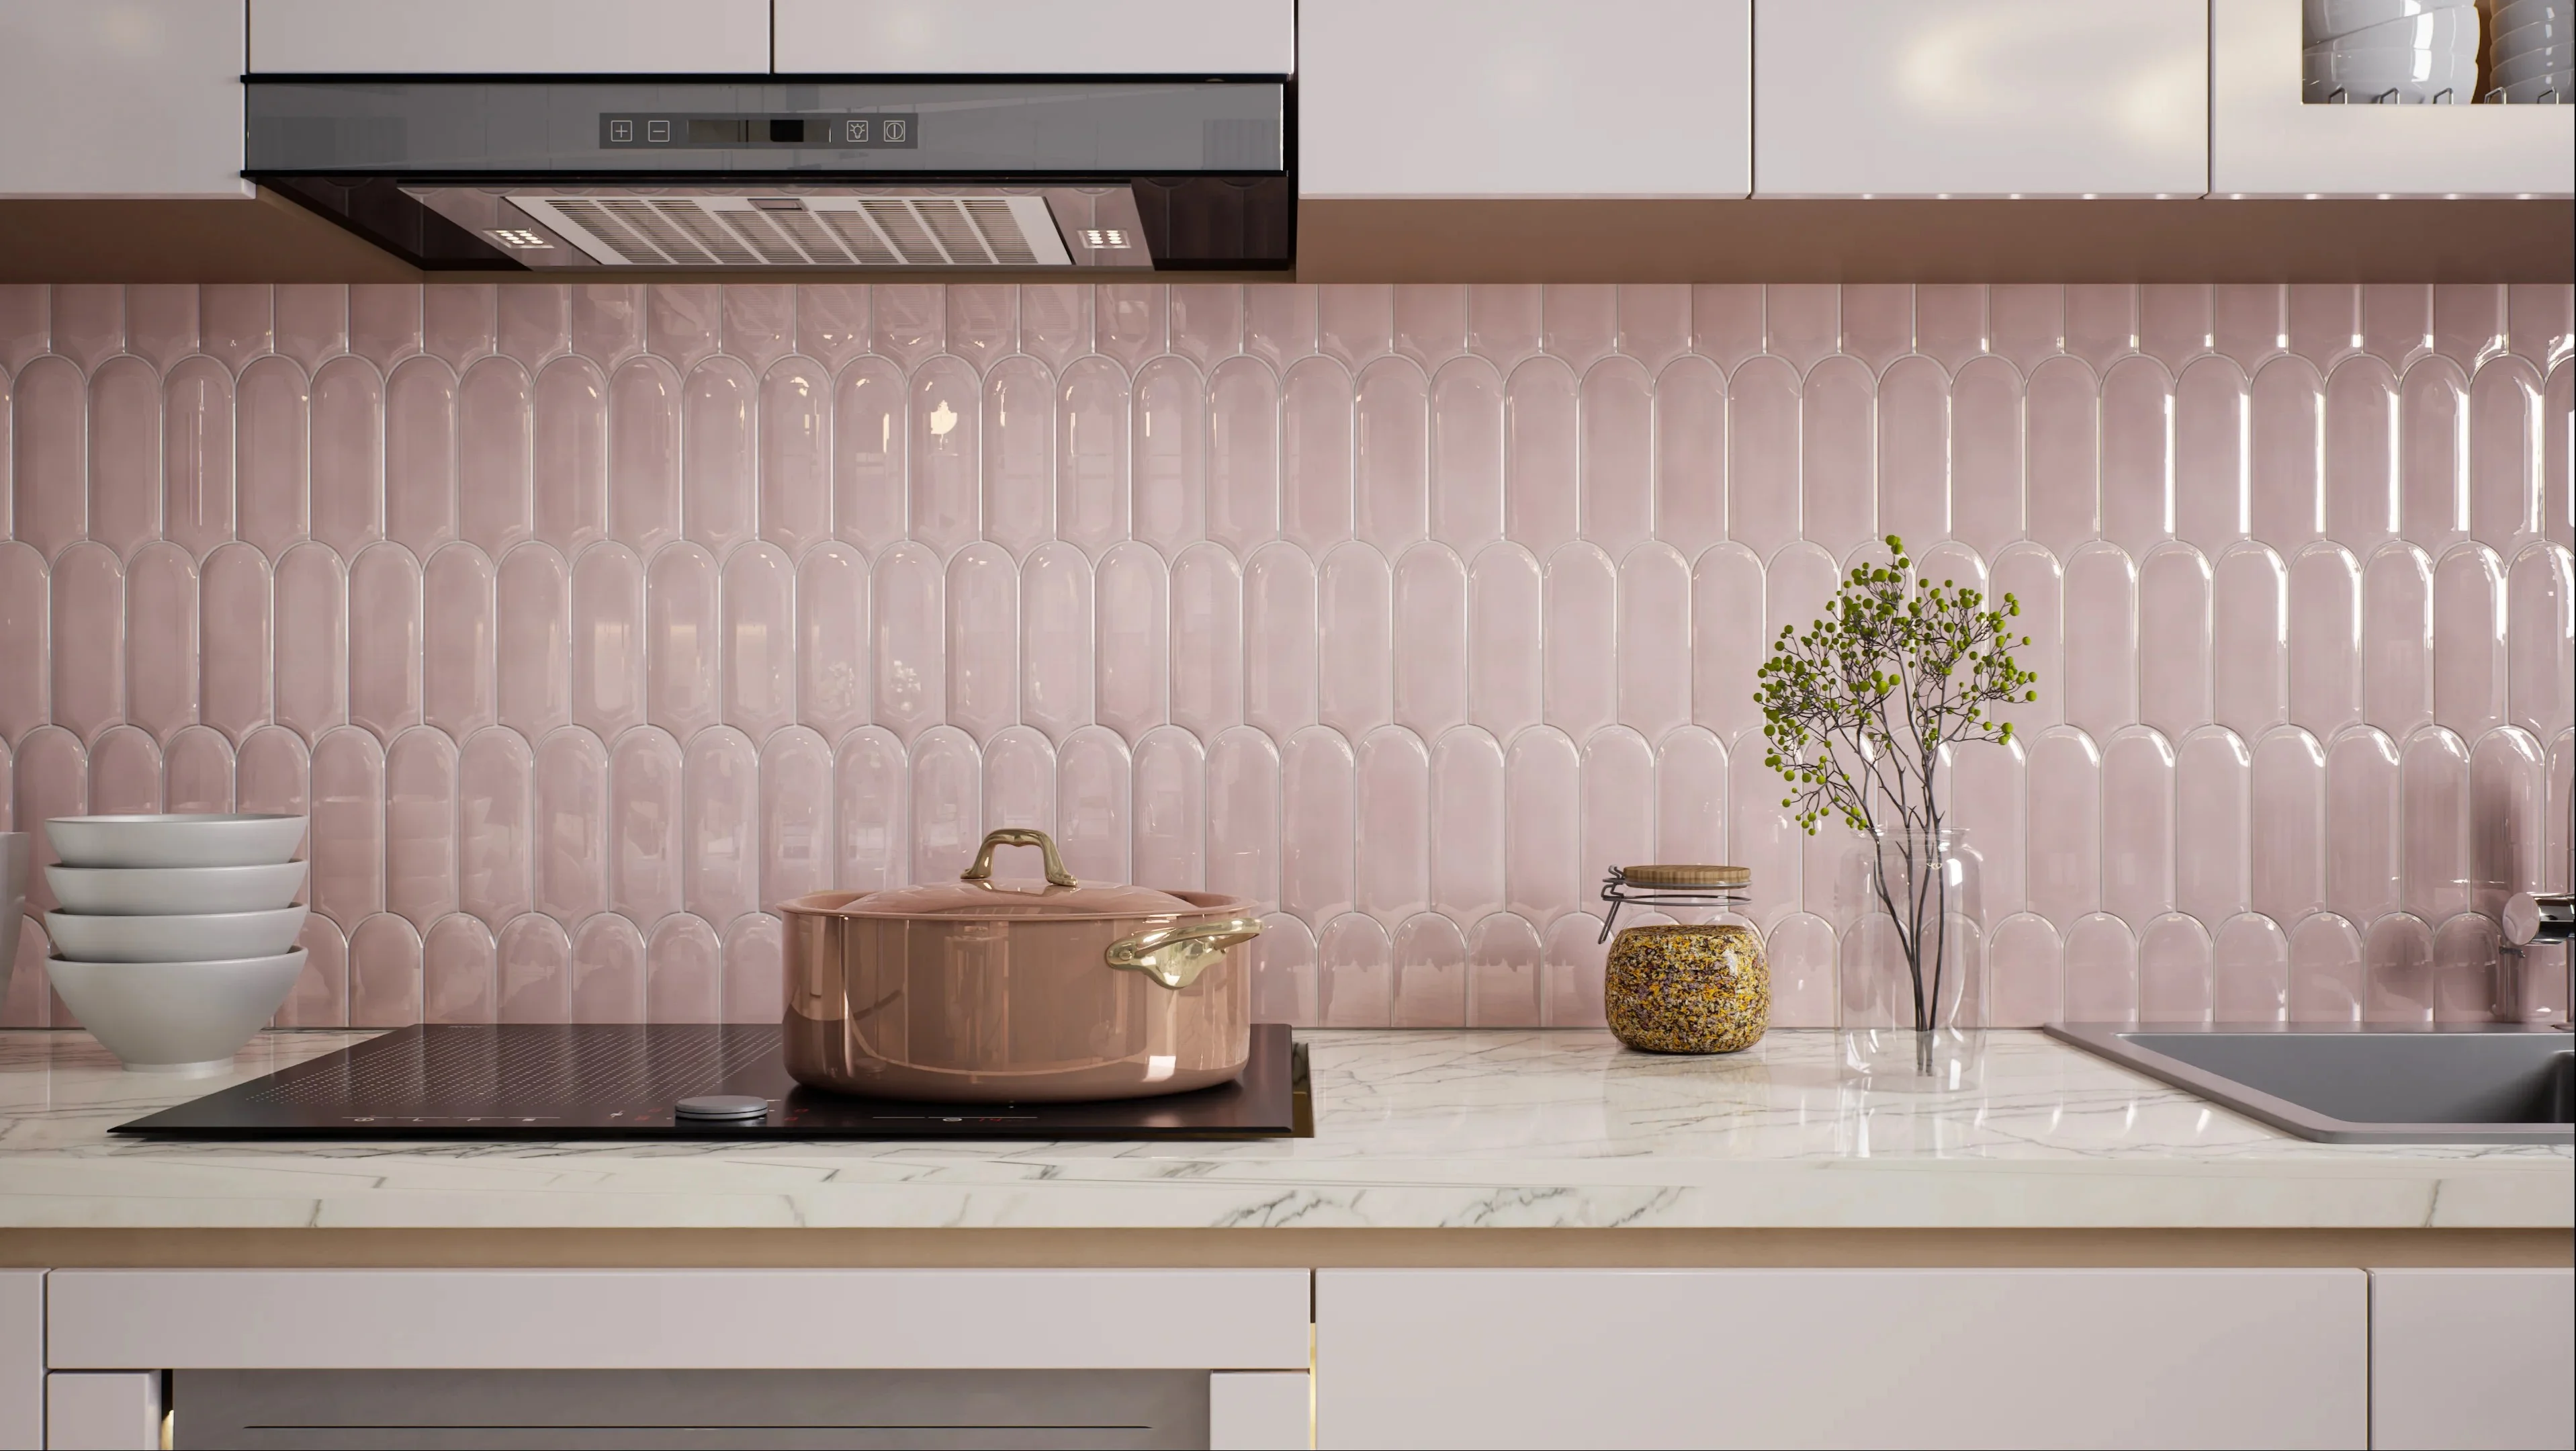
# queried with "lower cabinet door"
point(1653, 1358)
point(2472, 1358)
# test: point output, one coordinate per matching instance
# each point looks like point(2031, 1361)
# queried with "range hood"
point(616, 175)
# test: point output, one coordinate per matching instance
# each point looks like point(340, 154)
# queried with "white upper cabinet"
point(526, 37)
point(2266, 140)
point(1982, 97)
point(1194, 38)
point(1524, 98)
point(121, 98)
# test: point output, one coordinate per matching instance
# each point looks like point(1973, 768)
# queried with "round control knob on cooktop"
point(721, 1107)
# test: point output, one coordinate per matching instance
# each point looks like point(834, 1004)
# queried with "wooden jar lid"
point(1686, 876)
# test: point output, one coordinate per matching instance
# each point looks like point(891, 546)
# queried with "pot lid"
point(978, 893)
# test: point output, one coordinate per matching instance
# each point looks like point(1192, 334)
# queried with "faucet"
point(2537, 920)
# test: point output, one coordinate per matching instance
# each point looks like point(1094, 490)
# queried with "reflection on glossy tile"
point(2540, 640)
point(2250, 644)
point(1914, 449)
point(2101, 970)
point(2137, 824)
point(1316, 772)
point(419, 473)
point(871, 835)
point(2286, 503)
point(1242, 461)
point(1243, 804)
point(2397, 959)
point(2174, 589)
point(2101, 615)
point(1950, 323)
point(2289, 816)
point(1762, 454)
point(2213, 783)
point(1356, 321)
point(2064, 830)
point(1837, 456)
point(2433, 815)
point(2325, 971)
point(2397, 638)
point(2250, 970)
point(2433, 465)
point(2174, 970)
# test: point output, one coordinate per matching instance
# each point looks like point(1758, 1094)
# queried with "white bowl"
point(176, 1017)
point(236, 839)
point(2540, 60)
point(2531, 37)
point(2557, 88)
point(2327, 19)
point(2447, 31)
point(2516, 14)
point(163, 891)
point(193, 938)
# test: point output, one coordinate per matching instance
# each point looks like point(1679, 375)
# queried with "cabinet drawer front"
point(712, 1319)
point(1841, 1357)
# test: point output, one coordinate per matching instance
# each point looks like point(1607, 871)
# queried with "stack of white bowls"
point(176, 938)
point(2533, 57)
point(2392, 52)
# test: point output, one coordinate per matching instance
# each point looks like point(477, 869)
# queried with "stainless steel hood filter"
point(945, 176)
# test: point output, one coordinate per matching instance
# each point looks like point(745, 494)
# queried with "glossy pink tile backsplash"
point(587, 622)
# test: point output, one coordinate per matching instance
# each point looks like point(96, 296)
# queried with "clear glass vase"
point(1912, 968)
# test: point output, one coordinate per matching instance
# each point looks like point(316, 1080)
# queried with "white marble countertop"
point(1414, 1130)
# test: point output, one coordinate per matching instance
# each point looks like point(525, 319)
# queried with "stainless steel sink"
point(2499, 1083)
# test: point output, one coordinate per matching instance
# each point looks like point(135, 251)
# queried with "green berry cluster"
point(1858, 707)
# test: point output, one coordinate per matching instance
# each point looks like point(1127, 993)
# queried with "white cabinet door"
point(121, 98)
point(1524, 98)
point(2164, 1358)
point(528, 37)
point(1193, 38)
point(2265, 140)
point(1980, 98)
point(116, 1411)
point(2472, 1358)
point(22, 1357)
point(1261, 1410)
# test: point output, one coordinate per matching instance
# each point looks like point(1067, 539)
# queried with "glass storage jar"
point(1685, 987)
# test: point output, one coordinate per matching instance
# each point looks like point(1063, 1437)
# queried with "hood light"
point(1104, 239)
point(520, 239)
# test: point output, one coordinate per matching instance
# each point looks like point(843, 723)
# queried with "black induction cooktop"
point(552, 1082)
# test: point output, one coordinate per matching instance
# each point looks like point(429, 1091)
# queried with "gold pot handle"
point(1175, 956)
point(982, 870)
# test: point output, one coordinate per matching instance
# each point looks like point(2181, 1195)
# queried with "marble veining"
point(1431, 1129)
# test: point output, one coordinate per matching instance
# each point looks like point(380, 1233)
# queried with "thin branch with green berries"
point(1858, 710)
